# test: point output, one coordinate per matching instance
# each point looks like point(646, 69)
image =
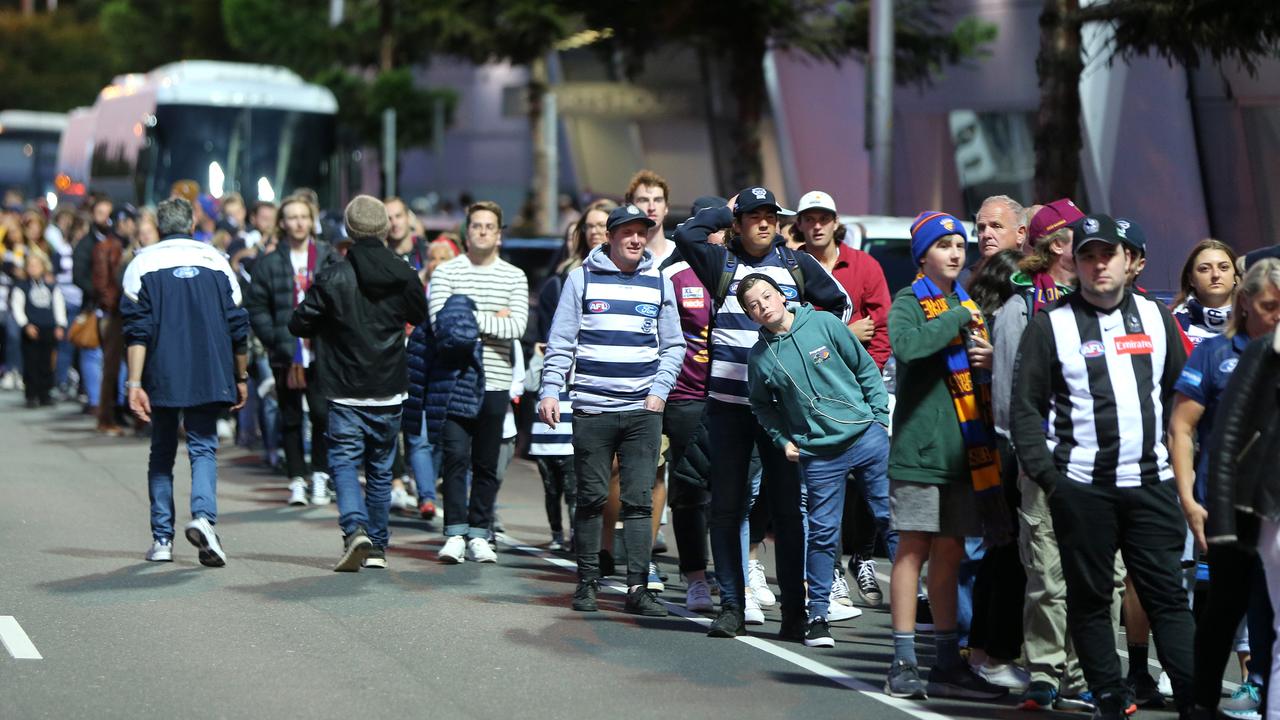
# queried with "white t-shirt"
point(299, 260)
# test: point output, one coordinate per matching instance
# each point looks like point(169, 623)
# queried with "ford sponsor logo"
point(186, 272)
point(1228, 365)
point(597, 306)
point(647, 310)
point(1093, 349)
point(790, 292)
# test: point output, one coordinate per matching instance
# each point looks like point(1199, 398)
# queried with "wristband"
point(131, 384)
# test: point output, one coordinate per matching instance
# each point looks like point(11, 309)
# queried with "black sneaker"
point(584, 598)
point(864, 574)
point(377, 558)
point(904, 682)
point(641, 601)
point(1115, 707)
point(794, 627)
point(1146, 692)
point(961, 682)
point(819, 634)
point(924, 616)
point(728, 624)
point(606, 563)
point(356, 547)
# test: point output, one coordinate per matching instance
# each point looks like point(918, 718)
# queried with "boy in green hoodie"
point(819, 395)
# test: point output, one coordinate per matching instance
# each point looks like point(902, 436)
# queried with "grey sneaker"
point(355, 548)
point(161, 551)
point(904, 682)
point(377, 558)
point(1243, 703)
point(200, 533)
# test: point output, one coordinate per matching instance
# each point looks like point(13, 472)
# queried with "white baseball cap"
point(816, 200)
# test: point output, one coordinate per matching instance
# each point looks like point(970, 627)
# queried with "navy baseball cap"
point(706, 201)
point(1096, 228)
point(1134, 236)
point(754, 198)
point(627, 213)
point(125, 211)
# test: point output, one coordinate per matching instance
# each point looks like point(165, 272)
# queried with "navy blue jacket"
point(449, 380)
point(182, 301)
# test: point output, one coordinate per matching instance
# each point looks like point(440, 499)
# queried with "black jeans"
point(1001, 584)
point(290, 402)
point(472, 444)
point(1146, 525)
point(680, 423)
point(37, 364)
point(636, 437)
point(1236, 581)
point(558, 482)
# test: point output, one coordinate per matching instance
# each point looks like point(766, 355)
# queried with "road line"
point(15, 640)
point(910, 707)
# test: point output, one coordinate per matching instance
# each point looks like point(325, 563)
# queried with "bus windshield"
point(263, 154)
point(28, 161)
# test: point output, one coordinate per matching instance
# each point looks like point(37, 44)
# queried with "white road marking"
point(910, 707)
point(15, 640)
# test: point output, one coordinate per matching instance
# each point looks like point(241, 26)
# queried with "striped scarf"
point(973, 410)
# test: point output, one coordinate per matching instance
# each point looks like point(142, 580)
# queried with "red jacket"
point(863, 279)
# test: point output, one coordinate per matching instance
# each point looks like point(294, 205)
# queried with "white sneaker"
point(319, 488)
point(839, 588)
point(297, 491)
point(9, 381)
point(478, 550)
point(758, 585)
point(200, 533)
point(839, 613)
point(453, 549)
point(400, 501)
point(1165, 685)
point(698, 597)
point(1006, 675)
point(225, 431)
point(752, 614)
point(161, 551)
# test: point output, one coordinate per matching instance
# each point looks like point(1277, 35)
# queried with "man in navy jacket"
point(187, 339)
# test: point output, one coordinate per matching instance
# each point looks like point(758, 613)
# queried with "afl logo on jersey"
point(186, 272)
point(647, 310)
point(597, 306)
point(1093, 349)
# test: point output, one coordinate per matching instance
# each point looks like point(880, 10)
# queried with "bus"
point(29, 151)
point(257, 130)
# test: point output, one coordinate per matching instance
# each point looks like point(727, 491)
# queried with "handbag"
point(84, 331)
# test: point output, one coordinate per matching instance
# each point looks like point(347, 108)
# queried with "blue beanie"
point(928, 228)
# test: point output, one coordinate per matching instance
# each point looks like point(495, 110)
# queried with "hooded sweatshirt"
point(360, 308)
point(613, 350)
point(815, 385)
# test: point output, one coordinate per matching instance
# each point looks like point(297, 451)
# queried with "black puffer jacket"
point(1244, 484)
point(269, 301)
point(358, 310)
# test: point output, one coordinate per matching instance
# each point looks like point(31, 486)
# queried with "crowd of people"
point(1060, 448)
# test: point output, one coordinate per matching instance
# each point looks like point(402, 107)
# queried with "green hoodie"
point(816, 385)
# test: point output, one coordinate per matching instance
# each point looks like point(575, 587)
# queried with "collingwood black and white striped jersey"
point(1092, 390)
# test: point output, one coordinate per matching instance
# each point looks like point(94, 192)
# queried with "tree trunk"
point(746, 82)
point(1058, 127)
point(386, 60)
point(538, 80)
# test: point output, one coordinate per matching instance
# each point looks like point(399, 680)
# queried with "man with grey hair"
point(187, 341)
point(1001, 225)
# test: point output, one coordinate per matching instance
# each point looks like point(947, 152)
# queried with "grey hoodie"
point(562, 342)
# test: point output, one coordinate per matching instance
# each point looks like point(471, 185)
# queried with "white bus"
point(254, 129)
point(29, 150)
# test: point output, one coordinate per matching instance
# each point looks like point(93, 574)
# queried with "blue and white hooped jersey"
point(617, 354)
point(545, 440)
point(735, 333)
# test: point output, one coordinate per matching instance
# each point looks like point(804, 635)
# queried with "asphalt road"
point(277, 634)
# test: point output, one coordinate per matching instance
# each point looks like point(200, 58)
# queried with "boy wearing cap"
point(360, 308)
point(616, 332)
point(1092, 387)
point(756, 247)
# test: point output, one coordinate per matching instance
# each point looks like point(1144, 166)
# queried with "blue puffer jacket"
point(446, 373)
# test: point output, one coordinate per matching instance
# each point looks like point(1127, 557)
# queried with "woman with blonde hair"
point(1207, 288)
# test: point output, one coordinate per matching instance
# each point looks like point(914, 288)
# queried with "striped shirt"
point(494, 287)
point(1092, 392)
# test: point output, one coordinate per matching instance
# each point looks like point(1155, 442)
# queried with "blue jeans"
point(202, 450)
point(733, 429)
point(824, 482)
point(973, 554)
point(423, 461)
point(91, 373)
point(13, 343)
point(65, 349)
point(365, 437)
